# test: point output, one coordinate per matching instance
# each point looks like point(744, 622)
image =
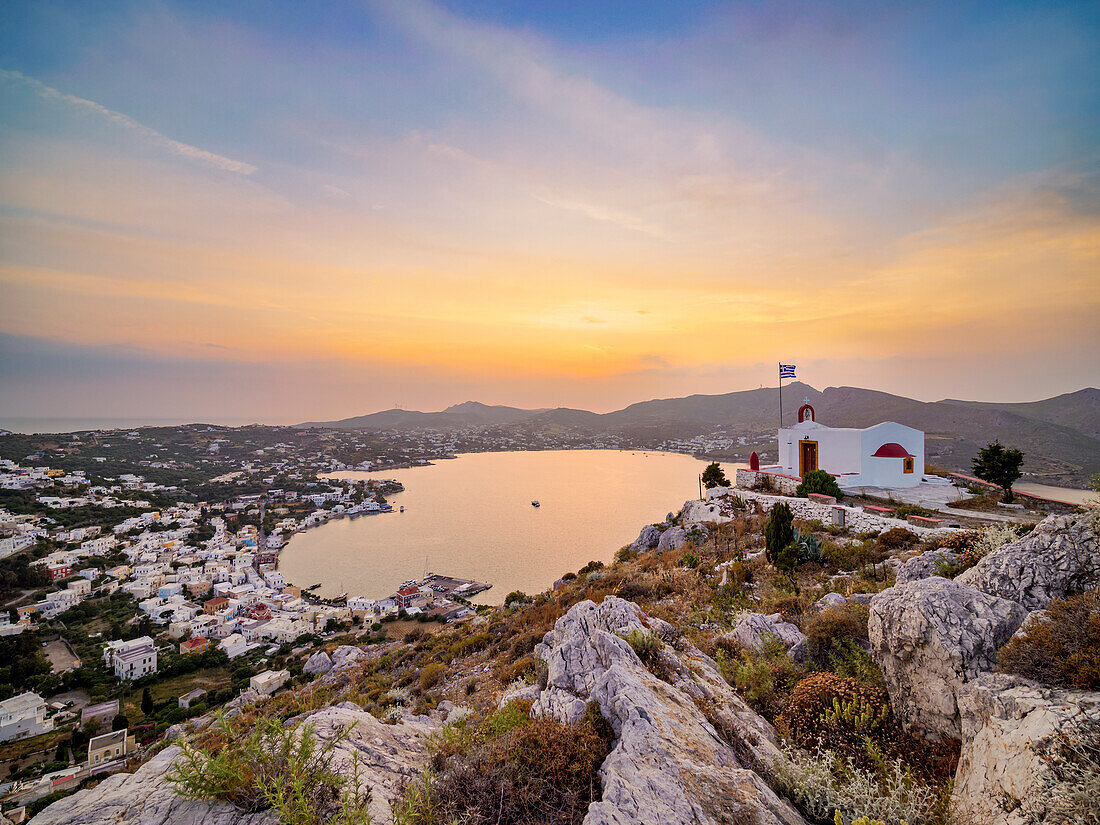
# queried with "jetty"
point(451, 586)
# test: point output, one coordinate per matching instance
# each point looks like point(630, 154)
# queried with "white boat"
point(535, 503)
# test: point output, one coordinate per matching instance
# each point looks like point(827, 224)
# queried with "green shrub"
point(1062, 647)
point(829, 630)
point(430, 675)
point(1070, 786)
point(896, 538)
point(713, 476)
point(778, 531)
point(845, 556)
point(853, 719)
point(764, 675)
point(285, 770)
point(516, 596)
point(825, 784)
point(850, 660)
point(591, 567)
point(510, 770)
point(644, 643)
point(819, 481)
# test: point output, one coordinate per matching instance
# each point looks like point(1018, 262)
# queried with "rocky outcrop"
point(676, 537)
point(647, 539)
point(930, 637)
point(1059, 558)
point(753, 628)
point(701, 512)
point(1005, 720)
point(387, 757)
point(143, 797)
point(687, 749)
point(926, 565)
point(345, 656)
point(317, 664)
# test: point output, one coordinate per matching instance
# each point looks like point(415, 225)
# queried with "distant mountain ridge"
point(1060, 435)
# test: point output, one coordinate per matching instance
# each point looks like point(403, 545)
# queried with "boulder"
point(647, 539)
point(1006, 722)
point(1059, 558)
point(676, 537)
point(144, 797)
point(346, 655)
point(687, 749)
point(932, 636)
point(318, 664)
point(926, 565)
point(829, 600)
point(701, 512)
point(752, 628)
point(388, 756)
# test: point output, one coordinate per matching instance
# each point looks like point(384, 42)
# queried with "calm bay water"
point(472, 517)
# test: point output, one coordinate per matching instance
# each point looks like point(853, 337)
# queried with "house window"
point(908, 465)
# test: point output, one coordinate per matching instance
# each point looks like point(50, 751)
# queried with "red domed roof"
point(892, 449)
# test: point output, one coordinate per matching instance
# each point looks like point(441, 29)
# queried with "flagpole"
point(781, 396)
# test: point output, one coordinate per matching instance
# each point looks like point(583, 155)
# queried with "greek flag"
point(786, 371)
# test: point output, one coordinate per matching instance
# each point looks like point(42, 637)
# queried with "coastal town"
point(140, 580)
point(117, 581)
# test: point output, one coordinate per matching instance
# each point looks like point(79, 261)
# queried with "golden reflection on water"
point(472, 517)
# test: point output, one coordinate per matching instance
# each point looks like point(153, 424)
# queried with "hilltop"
point(1060, 435)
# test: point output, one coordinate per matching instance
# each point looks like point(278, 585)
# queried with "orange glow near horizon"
point(558, 242)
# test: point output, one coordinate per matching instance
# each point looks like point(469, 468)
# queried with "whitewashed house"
point(132, 659)
point(885, 455)
point(234, 645)
point(23, 716)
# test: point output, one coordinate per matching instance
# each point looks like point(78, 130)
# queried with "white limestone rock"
point(1059, 558)
point(317, 664)
point(387, 755)
point(1005, 721)
point(520, 694)
point(345, 656)
point(927, 564)
point(701, 512)
point(647, 539)
point(752, 628)
point(932, 636)
point(143, 797)
point(669, 763)
point(676, 537)
point(829, 600)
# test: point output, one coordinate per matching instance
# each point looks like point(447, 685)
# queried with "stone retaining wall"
point(855, 518)
point(782, 484)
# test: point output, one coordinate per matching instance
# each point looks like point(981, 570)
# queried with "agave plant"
point(809, 547)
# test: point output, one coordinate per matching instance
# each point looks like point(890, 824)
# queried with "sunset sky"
point(278, 211)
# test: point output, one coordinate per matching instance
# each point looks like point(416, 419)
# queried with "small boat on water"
point(535, 503)
point(402, 508)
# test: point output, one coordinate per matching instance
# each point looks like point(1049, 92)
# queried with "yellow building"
point(110, 747)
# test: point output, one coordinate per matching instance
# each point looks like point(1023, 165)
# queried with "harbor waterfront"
point(472, 517)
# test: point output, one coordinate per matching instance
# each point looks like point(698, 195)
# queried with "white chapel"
point(885, 455)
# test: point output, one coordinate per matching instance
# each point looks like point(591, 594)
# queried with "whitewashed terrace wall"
point(856, 520)
point(746, 479)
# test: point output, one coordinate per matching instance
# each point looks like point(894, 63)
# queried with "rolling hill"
point(1060, 436)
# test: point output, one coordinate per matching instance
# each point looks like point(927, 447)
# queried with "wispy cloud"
point(147, 133)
